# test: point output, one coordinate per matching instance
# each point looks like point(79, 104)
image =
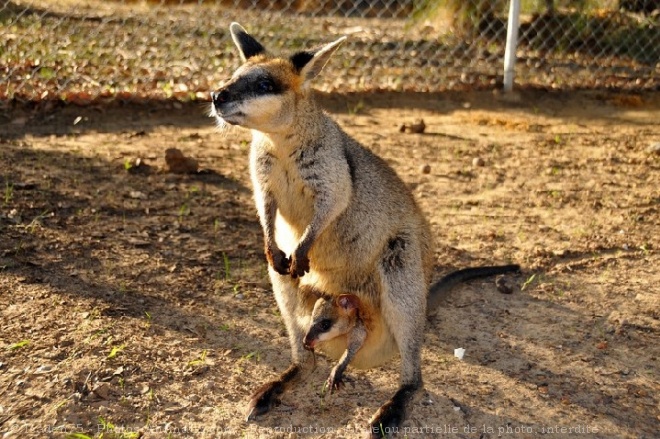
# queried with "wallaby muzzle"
point(221, 97)
point(309, 342)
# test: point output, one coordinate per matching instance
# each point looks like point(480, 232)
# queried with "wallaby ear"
point(246, 44)
point(309, 63)
point(348, 302)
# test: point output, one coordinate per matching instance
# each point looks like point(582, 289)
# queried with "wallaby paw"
point(299, 266)
point(278, 260)
point(263, 400)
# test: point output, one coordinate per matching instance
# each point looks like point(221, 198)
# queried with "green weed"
point(9, 192)
point(528, 282)
point(19, 345)
point(116, 350)
point(199, 360)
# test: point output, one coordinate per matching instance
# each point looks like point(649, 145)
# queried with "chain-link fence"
point(80, 51)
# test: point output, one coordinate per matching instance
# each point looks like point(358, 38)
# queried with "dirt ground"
point(135, 302)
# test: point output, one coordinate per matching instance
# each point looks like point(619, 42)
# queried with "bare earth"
point(135, 302)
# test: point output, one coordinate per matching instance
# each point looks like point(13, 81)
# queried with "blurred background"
point(84, 51)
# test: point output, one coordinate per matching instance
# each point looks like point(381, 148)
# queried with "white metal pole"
point(511, 44)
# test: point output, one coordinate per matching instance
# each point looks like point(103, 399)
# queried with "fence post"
point(511, 44)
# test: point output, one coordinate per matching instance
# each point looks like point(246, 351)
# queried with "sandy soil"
point(135, 302)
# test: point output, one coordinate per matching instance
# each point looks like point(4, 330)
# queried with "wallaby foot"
point(388, 418)
point(266, 396)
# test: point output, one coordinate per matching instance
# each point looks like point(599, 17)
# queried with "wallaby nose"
point(219, 97)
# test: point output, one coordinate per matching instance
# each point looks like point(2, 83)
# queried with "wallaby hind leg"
point(286, 295)
point(403, 300)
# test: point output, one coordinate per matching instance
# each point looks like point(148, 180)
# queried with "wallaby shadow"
point(139, 116)
point(527, 344)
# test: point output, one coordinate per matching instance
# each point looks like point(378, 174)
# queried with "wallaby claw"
point(299, 266)
point(336, 381)
point(278, 260)
point(333, 384)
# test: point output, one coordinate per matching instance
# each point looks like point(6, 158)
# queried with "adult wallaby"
point(336, 217)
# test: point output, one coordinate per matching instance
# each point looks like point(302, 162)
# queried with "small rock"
point(654, 148)
point(416, 128)
point(178, 163)
point(44, 369)
point(20, 121)
point(503, 285)
point(137, 195)
point(140, 243)
point(426, 169)
point(478, 161)
point(138, 166)
point(102, 391)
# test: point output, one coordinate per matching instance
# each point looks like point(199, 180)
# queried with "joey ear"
point(348, 302)
point(309, 63)
point(246, 44)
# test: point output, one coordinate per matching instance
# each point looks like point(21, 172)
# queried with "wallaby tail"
point(441, 288)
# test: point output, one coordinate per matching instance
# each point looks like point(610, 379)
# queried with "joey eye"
point(325, 325)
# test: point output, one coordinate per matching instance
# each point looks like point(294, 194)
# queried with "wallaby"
point(346, 315)
point(334, 317)
point(336, 218)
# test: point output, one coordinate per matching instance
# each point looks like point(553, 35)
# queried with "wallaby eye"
point(325, 325)
point(265, 86)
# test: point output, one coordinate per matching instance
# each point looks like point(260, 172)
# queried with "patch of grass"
point(116, 350)
point(227, 266)
point(254, 354)
point(18, 345)
point(356, 108)
point(109, 431)
point(184, 210)
point(199, 360)
point(9, 192)
point(528, 282)
point(32, 227)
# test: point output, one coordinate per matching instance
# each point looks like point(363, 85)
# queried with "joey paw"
point(335, 382)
